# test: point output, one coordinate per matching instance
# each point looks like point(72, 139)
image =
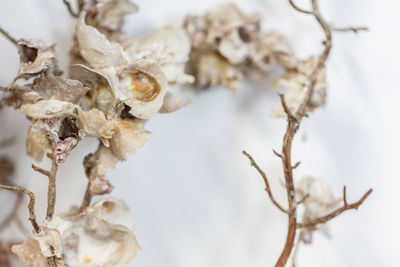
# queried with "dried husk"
point(36, 58)
point(29, 254)
point(142, 87)
point(47, 109)
point(100, 236)
point(168, 46)
point(37, 143)
point(128, 137)
point(95, 48)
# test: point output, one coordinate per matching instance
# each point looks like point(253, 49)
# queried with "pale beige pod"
point(128, 137)
point(100, 94)
point(141, 86)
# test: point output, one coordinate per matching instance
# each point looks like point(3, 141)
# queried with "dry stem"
point(70, 10)
point(87, 198)
point(351, 29)
point(31, 204)
point(336, 212)
point(293, 124)
point(264, 176)
point(8, 36)
point(51, 192)
point(14, 213)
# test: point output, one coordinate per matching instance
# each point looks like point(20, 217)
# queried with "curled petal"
point(169, 47)
point(95, 48)
point(173, 102)
point(35, 58)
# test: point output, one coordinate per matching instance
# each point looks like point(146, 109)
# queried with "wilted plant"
point(115, 84)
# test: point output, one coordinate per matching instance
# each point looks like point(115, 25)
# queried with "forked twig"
point(267, 186)
point(338, 211)
point(31, 204)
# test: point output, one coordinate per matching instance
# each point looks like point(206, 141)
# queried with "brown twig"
point(70, 10)
point(293, 124)
point(338, 211)
point(298, 8)
point(87, 198)
point(14, 213)
point(8, 36)
point(267, 186)
point(51, 192)
point(31, 204)
point(351, 29)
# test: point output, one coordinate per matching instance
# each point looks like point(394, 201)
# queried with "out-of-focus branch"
point(338, 211)
point(350, 29)
point(31, 204)
point(267, 186)
point(296, 7)
point(8, 36)
point(70, 10)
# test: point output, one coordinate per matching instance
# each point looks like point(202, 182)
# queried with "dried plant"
point(115, 84)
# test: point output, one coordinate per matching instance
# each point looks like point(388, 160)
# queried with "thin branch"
point(351, 29)
point(303, 199)
point(8, 36)
point(276, 153)
point(51, 191)
point(338, 211)
point(87, 198)
point(69, 8)
point(298, 8)
point(264, 176)
point(31, 204)
point(297, 164)
point(14, 213)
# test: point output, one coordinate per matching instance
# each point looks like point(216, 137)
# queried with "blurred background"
point(195, 199)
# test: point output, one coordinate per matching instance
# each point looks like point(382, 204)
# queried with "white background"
point(195, 199)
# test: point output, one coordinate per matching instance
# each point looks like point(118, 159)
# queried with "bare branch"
point(14, 213)
point(298, 8)
point(303, 199)
point(31, 204)
point(351, 29)
point(8, 36)
point(40, 170)
point(296, 165)
point(293, 124)
point(264, 176)
point(51, 192)
point(285, 107)
point(276, 153)
point(70, 10)
point(87, 198)
point(338, 211)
